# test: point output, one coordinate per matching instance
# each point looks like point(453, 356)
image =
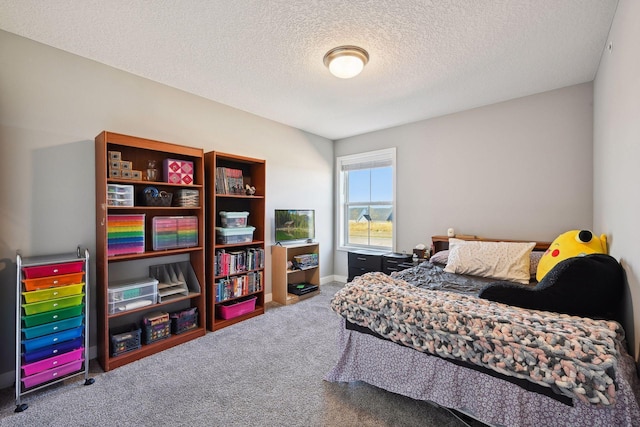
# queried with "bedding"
point(428, 275)
point(436, 337)
point(418, 375)
point(574, 356)
point(443, 256)
point(498, 260)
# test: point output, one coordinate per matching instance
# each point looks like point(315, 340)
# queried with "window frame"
point(384, 155)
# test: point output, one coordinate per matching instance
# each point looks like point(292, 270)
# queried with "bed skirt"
point(402, 370)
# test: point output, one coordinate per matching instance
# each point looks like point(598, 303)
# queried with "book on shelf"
point(234, 262)
point(229, 181)
point(237, 286)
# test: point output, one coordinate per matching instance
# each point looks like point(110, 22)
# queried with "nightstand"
point(393, 262)
point(363, 261)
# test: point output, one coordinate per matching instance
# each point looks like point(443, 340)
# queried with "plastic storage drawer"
point(40, 342)
point(52, 269)
point(52, 281)
point(234, 235)
point(52, 304)
point(47, 294)
point(125, 234)
point(50, 328)
point(52, 374)
point(53, 350)
point(186, 198)
point(52, 316)
point(171, 232)
point(124, 296)
point(119, 195)
point(233, 219)
point(52, 362)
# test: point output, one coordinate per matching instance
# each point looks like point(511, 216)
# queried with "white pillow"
point(499, 260)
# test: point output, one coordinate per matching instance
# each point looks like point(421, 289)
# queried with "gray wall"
point(53, 105)
point(617, 151)
point(520, 169)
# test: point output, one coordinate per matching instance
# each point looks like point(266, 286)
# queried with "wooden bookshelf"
point(136, 265)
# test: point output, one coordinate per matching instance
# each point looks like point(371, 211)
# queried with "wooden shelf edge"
point(154, 254)
point(240, 196)
point(191, 295)
point(223, 323)
point(139, 182)
point(302, 269)
point(235, 245)
point(241, 296)
point(293, 298)
point(153, 348)
point(239, 274)
point(154, 208)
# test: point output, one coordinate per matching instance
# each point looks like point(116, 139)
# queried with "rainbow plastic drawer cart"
point(52, 321)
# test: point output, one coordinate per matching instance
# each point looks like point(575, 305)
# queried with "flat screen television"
point(295, 224)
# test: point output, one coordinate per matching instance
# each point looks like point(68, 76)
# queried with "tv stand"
point(282, 275)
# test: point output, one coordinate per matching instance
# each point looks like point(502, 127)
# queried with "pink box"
point(178, 171)
point(237, 308)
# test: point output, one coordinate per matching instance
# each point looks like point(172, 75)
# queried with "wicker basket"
point(162, 199)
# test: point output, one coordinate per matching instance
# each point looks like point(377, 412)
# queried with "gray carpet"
point(266, 371)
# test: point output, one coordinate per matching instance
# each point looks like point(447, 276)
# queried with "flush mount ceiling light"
point(346, 61)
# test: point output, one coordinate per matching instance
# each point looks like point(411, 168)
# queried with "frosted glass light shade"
point(346, 61)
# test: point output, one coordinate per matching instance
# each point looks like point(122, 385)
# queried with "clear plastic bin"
point(124, 296)
point(170, 232)
point(233, 219)
point(234, 235)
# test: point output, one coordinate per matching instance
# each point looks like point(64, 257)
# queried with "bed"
point(450, 338)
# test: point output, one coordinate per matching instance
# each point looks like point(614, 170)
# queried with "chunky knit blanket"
point(575, 356)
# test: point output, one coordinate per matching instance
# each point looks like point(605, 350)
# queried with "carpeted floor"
point(266, 371)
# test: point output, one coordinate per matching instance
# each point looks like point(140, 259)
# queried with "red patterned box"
point(178, 171)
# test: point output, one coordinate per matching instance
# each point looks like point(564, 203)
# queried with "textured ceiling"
point(428, 58)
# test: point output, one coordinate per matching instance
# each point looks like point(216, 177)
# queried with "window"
point(366, 205)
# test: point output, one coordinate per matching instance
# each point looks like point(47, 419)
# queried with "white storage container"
point(233, 219)
point(119, 195)
point(130, 294)
point(234, 235)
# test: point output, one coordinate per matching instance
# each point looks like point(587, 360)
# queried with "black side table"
point(393, 261)
point(363, 261)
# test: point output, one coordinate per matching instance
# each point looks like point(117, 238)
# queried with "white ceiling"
point(428, 58)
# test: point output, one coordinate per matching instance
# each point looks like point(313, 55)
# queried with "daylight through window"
point(366, 203)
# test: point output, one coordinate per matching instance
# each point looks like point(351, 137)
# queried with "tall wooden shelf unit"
point(283, 276)
point(136, 265)
point(254, 174)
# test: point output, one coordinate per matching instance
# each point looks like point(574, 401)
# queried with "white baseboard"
point(333, 278)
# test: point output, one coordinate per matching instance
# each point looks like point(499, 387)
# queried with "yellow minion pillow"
point(570, 244)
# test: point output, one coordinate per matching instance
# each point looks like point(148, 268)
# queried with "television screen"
point(295, 224)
